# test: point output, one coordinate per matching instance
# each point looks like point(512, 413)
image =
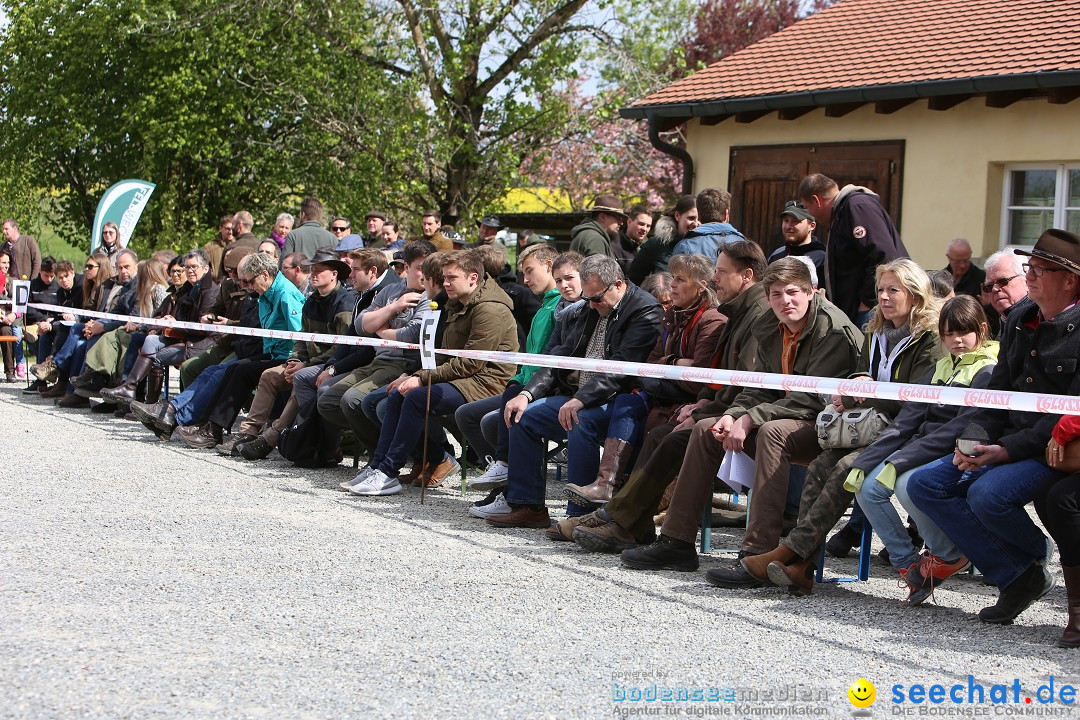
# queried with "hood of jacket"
point(850, 190)
point(666, 230)
point(713, 228)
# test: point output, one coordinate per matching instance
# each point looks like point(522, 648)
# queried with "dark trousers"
point(636, 502)
point(403, 426)
point(241, 378)
point(1057, 500)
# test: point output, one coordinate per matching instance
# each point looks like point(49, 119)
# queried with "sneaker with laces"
point(496, 475)
point(498, 506)
point(360, 477)
point(376, 483)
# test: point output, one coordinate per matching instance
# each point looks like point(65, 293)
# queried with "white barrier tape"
point(903, 392)
point(233, 329)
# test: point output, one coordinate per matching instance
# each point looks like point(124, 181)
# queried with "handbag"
point(1070, 463)
point(850, 428)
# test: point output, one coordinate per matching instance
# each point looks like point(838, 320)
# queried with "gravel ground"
point(143, 579)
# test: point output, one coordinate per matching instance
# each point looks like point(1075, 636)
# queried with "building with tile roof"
point(959, 113)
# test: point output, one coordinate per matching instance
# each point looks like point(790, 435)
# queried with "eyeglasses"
point(597, 298)
point(1000, 283)
point(89, 266)
point(108, 232)
point(289, 267)
point(1038, 271)
point(176, 271)
point(340, 229)
point(191, 268)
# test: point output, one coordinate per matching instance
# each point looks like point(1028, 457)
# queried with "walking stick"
point(423, 456)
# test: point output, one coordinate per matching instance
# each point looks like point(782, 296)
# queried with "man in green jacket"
point(595, 235)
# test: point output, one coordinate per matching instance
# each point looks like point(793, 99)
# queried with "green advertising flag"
point(122, 204)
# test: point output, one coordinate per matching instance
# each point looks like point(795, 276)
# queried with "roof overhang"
point(1000, 91)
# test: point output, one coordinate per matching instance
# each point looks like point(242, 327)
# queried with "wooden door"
point(764, 177)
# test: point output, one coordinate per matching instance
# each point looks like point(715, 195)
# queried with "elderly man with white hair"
point(967, 278)
point(1003, 288)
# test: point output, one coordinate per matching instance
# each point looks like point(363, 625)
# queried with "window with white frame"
point(1038, 197)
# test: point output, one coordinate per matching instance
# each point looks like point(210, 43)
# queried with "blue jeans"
point(193, 405)
point(374, 405)
point(527, 478)
point(984, 513)
point(20, 354)
point(876, 502)
point(64, 355)
point(473, 420)
point(403, 427)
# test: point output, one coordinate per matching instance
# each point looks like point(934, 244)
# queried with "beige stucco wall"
point(953, 164)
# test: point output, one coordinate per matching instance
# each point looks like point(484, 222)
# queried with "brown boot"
point(798, 577)
point(125, 392)
point(1071, 637)
point(612, 465)
point(758, 565)
point(154, 380)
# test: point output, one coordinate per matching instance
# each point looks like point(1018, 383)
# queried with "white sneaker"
point(498, 506)
point(495, 476)
point(349, 484)
point(376, 483)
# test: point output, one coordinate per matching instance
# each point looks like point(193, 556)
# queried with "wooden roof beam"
point(1062, 95)
point(946, 102)
point(835, 111)
point(751, 115)
point(1005, 98)
point(888, 107)
point(795, 113)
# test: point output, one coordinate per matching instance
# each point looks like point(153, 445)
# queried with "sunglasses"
point(1000, 283)
point(89, 266)
point(339, 229)
point(597, 298)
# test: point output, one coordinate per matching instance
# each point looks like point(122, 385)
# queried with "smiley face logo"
point(862, 693)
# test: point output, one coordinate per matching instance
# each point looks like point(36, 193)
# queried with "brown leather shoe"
point(200, 437)
point(608, 537)
point(58, 390)
point(443, 470)
point(412, 476)
point(758, 565)
point(798, 576)
point(522, 516)
point(73, 401)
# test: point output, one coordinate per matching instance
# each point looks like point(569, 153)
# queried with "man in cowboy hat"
point(489, 228)
point(594, 236)
point(978, 500)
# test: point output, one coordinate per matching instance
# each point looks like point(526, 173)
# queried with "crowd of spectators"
point(643, 452)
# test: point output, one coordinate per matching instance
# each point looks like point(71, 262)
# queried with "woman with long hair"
point(152, 289)
point(96, 272)
point(670, 228)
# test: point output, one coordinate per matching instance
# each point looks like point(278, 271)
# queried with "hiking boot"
point(73, 401)
point(228, 445)
point(443, 470)
point(255, 449)
point(44, 370)
point(664, 554)
point(564, 529)
point(608, 538)
point(199, 437)
point(1019, 595)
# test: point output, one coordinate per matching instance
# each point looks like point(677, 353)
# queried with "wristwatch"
point(329, 370)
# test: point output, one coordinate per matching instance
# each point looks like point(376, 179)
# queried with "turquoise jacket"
point(539, 332)
point(280, 308)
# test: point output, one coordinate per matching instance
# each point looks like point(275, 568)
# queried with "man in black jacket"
point(861, 237)
point(622, 324)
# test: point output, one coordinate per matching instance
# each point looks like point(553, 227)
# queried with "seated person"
point(621, 323)
point(902, 346)
point(478, 317)
point(280, 306)
point(688, 338)
point(539, 265)
point(328, 310)
point(52, 332)
point(803, 335)
point(912, 440)
point(526, 302)
point(979, 501)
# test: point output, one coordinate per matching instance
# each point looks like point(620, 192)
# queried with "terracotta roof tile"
point(859, 43)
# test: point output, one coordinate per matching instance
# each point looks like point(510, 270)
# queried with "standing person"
point(595, 235)
point(714, 211)
point(242, 224)
point(487, 229)
point(978, 500)
point(341, 227)
point(797, 226)
point(638, 224)
point(310, 236)
point(283, 225)
point(967, 278)
point(861, 237)
point(215, 249)
point(24, 250)
point(671, 227)
point(374, 221)
point(430, 227)
point(110, 241)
